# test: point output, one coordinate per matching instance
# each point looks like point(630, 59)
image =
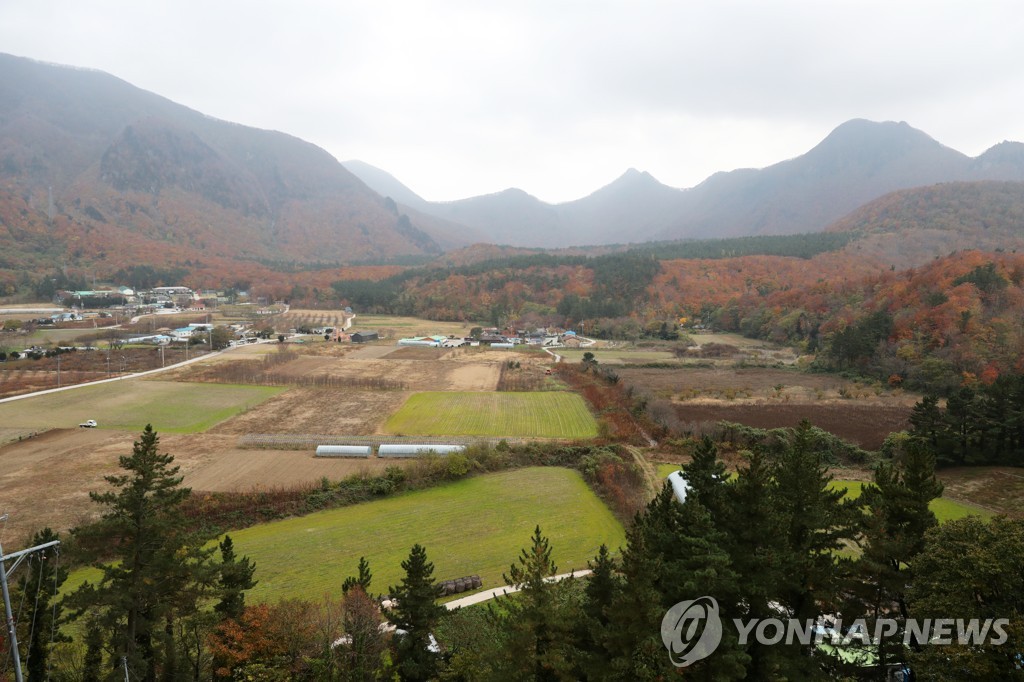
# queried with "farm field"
point(398, 327)
point(617, 356)
point(310, 318)
point(549, 414)
point(236, 470)
point(347, 367)
point(314, 410)
point(46, 479)
point(171, 407)
point(863, 425)
point(757, 384)
point(1000, 489)
point(42, 336)
point(474, 526)
point(773, 397)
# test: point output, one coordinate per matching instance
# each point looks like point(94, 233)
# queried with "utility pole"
point(58, 369)
point(12, 634)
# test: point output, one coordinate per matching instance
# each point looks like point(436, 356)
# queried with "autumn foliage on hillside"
point(955, 320)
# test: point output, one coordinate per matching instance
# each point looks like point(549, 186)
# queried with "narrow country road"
point(487, 595)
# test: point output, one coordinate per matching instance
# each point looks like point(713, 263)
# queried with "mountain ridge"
point(110, 153)
point(106, 174)
point(857, 162)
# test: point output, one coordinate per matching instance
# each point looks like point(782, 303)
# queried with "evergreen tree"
point(416, 614)
point(158, 564)
point(634, 645)
point(753, 533)
point(706, 475)
point(816, 523)
point(674, 553)
point(362, 580)
point(926, 420)
point(960, 424)
point(599, 595)
point(92, 665)
point(236, 576)
point(40, 583)
point(894, 536)
point(537, 629)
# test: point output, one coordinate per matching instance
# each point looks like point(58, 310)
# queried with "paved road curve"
point(487, 595)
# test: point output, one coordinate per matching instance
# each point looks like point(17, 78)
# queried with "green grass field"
point(170, 406)
point(44, 336)
point(665, 469)
point(475, 526)
point(547, 414)
point(944, 509)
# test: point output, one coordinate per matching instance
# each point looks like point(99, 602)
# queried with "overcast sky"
point(556, 98)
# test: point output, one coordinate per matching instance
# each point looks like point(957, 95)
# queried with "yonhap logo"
point(691, 630)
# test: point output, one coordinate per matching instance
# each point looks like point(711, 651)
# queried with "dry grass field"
point(314, 410)
point(45, 480)
point(395, 327)
point(998, 489)
point(410, 368)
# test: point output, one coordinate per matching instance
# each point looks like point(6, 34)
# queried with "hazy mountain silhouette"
point(856, 163)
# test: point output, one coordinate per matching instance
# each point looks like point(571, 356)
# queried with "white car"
point(88, 424)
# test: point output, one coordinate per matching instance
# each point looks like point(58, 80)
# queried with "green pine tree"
point(363, 579)
point(601, 590)
point(236, 576)
point(971, 568)
point(753, 532)
point(92, 665)
point(537, 621)
point(706, 475)
point(158, 567)
point(817, 522)
point(894, 536)
point(416, 614)
point(633, 643)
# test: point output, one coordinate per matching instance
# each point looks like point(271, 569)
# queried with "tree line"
point(981, 424)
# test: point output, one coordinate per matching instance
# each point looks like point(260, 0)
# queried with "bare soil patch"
point(366, 367)
point(312, 410)
point(46, 480)
point(864, 425)
point(235, 470)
